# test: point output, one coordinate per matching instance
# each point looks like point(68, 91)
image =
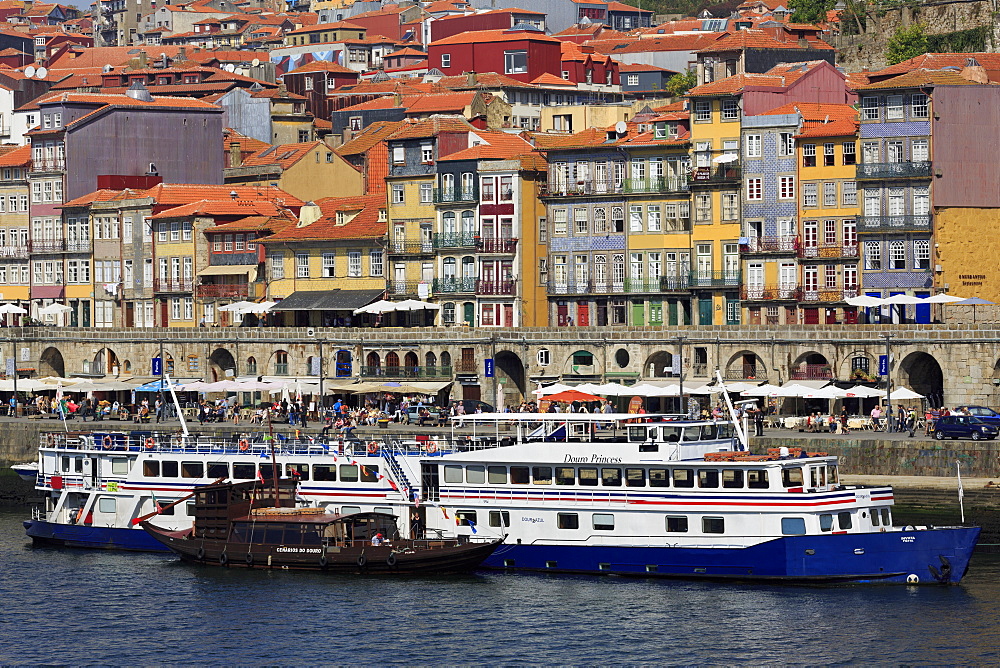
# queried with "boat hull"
point(933, 556)
point(42, 532)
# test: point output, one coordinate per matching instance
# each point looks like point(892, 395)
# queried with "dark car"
point(987, 415)
point(964, 426)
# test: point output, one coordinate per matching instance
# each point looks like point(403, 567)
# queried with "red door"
point(811, 316)
point(583, 313)
point(508, 315)
point(562, 314)
point(164, 319)
point(851, 316)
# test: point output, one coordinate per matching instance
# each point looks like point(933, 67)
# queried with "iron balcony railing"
point(173, 285)
point(828, 251)
point(828, 295)
point(813, 372)
point(778, 244)
point(14, 252)
point(402, 247)
point(894, 170)
point(505, 287)
point(625, 286)
point(404, 287)
point(454, 241)
point(894, 223)
point(224, 291)
point(660, 184)
point(556, 187)
point(747, 372)
point(406, 372)
point(451, 285)
point(496, 245)
point(716, 174)
point(450, 195)
point(714, 279)
point(788, 292)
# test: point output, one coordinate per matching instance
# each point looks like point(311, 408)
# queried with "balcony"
point(699, 370)
point(669, 184)
point(894, 170)
point(173, 285)
point(410, 247)
point(404, 287)
point(52, 165)
point(747, 372)
point(829, 251)
point(224, 291)
point(894, 223)
point(456, 195)
point(762, 293)
point(508, 287)
point(14, 252)
point(828, 296)
point(48, 246)
point(406, 372)
point(812, 372)
point(78, 246)
point(715, 175)
point(466, 367)
point(714, 279)
point(628, 286)
point(454, 241)
point(496, 245)
point(453, 285)
point(768, 245)
point(560, 188)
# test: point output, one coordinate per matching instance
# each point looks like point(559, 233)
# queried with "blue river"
point(87, 607)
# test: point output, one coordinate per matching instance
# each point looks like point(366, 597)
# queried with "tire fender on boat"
point(362, 561)
point(249, 559)
point(223, 559)
point(391, 560)
point(201, 552)
point(322, 561)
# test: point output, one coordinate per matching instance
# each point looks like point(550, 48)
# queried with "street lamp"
point(680, 368)
point(888, 382)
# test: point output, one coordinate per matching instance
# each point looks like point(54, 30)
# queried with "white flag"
point(961, 490)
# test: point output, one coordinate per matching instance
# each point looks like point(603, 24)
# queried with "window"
point(567, 521)
point(829, 194)
point(849, 193)
point(376, 263)
point(730, 110)
point(515, 62)
point(398, 155)
point(919, 150)
point(752, 146)
point(809, 195)
point(873, 255)
point(809, 155)
point(277, 266)
point(786, 143)
point(632, 80)
point(730, 206)
point(426, 153)
point(869, 108)
point(826, 522)
point(499, 518)
point(604, 522)
point(582, 223)
point(793, 526)
point(677, 524)
point(542, 357)
point(702, 110)
point(921, 254)
point(559, 221)
point(893, 107)
point(897, 254)
point(844, 520)
point(426, 193)
point(301, 265)
point(445, 60)
point(635, 219)
point(828, 155)
point(713, 525)
point(921, 201)
point(918, 106)
point(329, 265)
point(354, 264)
point(755, 189)
point(653, 221)
point(850, 157)
point(786, 187)
point(397, 194)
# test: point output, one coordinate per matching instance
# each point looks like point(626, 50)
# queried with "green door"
point(705, 310)
point(470, 314)
point(672, 312)
point(638, 312)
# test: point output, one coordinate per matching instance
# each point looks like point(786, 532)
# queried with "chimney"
point(182, 54)
point(282, 90)
point(235, 154)
point(139, 92)
point(309, 214)
point(471, 79)
point(397, 99)
point(974, 72)
point(142, 59)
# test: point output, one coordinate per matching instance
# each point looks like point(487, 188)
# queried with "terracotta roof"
point(369, 137)
point(686, 42)
point(639, 67)
point(16, 158)
point(407, 51)
point(485, 36)
point(813, 111)
point(498, 146)
point(923, 78)
point(247, 144)
point(276, 223)
point(482, 80)
point(757, 39)
point(277, 93)
point(384, 88)
point(622, 7)
point(77, 57)
point(222, 207)
point(284, 155)
point(440, 103)
point(321, 124)
point(936, 61)
point(364, 225)
point(104, 196)
point(841, 128)
point(547, 79)
point(431, 127)
point(321, 27)
point(322, 66)
point(183, 193)
point(383, 102)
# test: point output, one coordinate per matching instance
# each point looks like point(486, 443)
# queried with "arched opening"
point(391, 364)
point(659, 365)
point(859, 367)
point(221, 361)
point(412, 364)
point(746, 365)
point(430, 363)
point(581, 363)
point(251, 366)
point(373, 364)
point(344, 364)
point(446, 362)
point(509, 369)
point(281, 363)
point(168, 363)
point(922, 374)
point(811, 366)
point(106, 362)
point(51, 363)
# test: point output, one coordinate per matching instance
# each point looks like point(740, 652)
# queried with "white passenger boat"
point(647, 495)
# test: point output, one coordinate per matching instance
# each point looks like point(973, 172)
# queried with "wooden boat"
point(253, 525)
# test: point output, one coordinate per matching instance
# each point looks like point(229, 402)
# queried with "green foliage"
point(961, 41)
point(906, 43)
point(810, 11)
point(681, 82)
point(854, 17)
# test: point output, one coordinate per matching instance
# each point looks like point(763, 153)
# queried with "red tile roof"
point(431, 127)
point(322, 27)
point(183, 193)
point(622, 7)
point(369, 137)
point(284, 155)
point(936, 61)
point(841, 128)
point(485, 36)
point(247, 144)
point(548, 79)
point(440, 103)
point(685, 42)
point(16, 158)
point(364, 225)
point(757, 39)
point(482, 80)
point(222, 207)
point(923, 78)
point(813, 111)
point(498, 146)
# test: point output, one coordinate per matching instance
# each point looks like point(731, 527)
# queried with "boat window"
point(192, 470)
point(691, 434)
point(382, 509)
point(611, 477)
point(169, 469)
point(349, 473)
point(300, 471)
point(874, 513)
point(541, 475)
point(659, 478)
point(323, 473)
point(350, 510)
point(677, 523)
point(635, 477)
point(119, 465)
point(475, 474)
point(466, 518)
point(519, 475)
point(218, 470)
point(567, 521)
point(604, 522)
point(708, 477)
point(709, 432)
point(78, 464)
point(732, 478)
point(150, 468)
point(369, 473)
point(844, 520)
point(497, 475)
point(273, 535)
point(65, 464)
point(757, 479)
point(649, 446)
point(637, 433)
point(725, 429)
point(165, 507)
point(793, 526)
point(497, 515)
point(886, 520)
point(106, 504)
point(453, 473)
point(791, 477)
point(671, 434)
point(683, 477)
point(588, 477)
point(826, 522)
point(565, 475)
point(834, 477)
point(310, 536)
point(267, 471)
point(713, 525)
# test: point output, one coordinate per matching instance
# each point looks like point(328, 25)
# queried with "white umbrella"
point(862, 392)
point(11, 308)
point(381, 306)
point(903, 300)
point(252, 386)
point(704, 389)
point(943, 299)
point(828, 392)
point(197, 385)
point(725, 157)
point(902, 394)
point(765, 390)
point(793, 390)
point(415, 305)
point(54, 309)
point(236, 307)
point(551, 389)
point(865, 301)
point(656, 390)
point(262, 307)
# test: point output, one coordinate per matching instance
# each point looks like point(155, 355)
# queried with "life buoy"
point(362, 561)
point(107, 442)
point(244, 445)
point(372, 447)
point(223, 559)
point(391, 560)
point(432, 447)
point(150, 443)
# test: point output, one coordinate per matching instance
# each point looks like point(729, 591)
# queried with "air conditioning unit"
point(938, 268)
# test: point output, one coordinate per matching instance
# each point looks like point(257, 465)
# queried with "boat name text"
point(594, 459)
point(299, 550)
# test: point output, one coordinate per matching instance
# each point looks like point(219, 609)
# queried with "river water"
point(91, 607)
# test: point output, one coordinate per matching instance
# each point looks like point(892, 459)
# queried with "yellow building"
point(310, 170)
point(15, 278)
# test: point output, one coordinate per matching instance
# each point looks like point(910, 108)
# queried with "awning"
point(154, 385)
point(231, 270)
point(327, 300)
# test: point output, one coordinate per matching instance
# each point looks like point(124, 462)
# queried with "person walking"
point(159, 409)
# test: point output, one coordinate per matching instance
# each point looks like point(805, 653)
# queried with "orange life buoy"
point(432, 447)
point(372, 447)
point(150, 443)
point(244, 445)
point(107, 442)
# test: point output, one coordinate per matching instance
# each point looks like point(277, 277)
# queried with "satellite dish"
point(29, 71)
point(621, 128)
point(230, 67)
point(255, 62)
point(42, 73)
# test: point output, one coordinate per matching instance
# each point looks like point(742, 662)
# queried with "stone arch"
point(251, 366)
point(373, 362)
point(859, 366)
point(581, 363)
point(219, 361)
point(811, 366)
point(430, 361)
point(445, 358)
point(659, 365)
point(51, 363)
point(106, 362)
point(746, 365)
point(411, 362)
point(510, 366)
point(922, 373)
point(343, 361)
point(392, 363)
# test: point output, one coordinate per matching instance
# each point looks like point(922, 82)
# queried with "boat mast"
point(732, 413)
point(274, 458)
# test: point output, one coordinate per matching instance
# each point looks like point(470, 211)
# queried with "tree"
point(681, 83)
point(906, 43)
point(810, 11)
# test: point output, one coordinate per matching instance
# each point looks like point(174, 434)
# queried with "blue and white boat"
point(582, 493)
